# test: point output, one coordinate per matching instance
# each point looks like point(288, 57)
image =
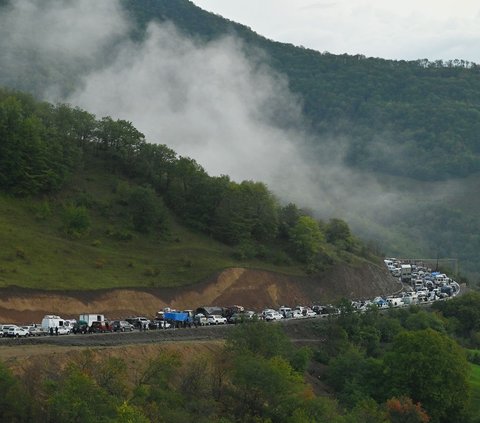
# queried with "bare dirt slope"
point(255, 289)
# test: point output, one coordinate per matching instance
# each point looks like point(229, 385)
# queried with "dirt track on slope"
point(254, 289)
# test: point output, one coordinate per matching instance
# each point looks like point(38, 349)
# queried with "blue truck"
point(178, 318)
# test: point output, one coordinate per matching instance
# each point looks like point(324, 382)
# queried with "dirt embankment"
point(254, 289)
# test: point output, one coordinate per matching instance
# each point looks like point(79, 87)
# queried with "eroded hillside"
point(254, 289)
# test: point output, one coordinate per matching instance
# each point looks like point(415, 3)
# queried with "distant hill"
point(430, 109)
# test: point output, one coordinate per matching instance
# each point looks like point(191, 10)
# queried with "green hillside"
point(89, 203)
point(36, 253)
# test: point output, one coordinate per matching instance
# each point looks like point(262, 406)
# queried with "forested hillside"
point(76, 186)
point(410, 125)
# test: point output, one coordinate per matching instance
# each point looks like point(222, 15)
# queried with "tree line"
point(44, 145)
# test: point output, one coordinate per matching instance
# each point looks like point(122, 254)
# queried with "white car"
point(294, 314)
point(61, 330)
point(5, 329)
point(273, 315)
point(310, 313)
point(16, 332)
point(216, 319)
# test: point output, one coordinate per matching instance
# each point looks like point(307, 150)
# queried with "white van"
point(51, 321)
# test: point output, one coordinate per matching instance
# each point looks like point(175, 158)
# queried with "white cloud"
point(380, 28)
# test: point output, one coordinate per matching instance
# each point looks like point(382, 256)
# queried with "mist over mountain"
point(345, 136)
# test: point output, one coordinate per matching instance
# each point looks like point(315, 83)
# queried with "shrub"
point(42, 211)
point(76, 221)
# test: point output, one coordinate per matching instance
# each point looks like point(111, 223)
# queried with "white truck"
point(55, 324)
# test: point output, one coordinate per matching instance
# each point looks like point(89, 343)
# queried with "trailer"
point(90, 318)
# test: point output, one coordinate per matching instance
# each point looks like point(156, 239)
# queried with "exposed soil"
point(254, 289)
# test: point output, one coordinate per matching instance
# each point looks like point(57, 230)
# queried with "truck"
point(50, 322)
point(177, 318)
point(89, 318)
point(406, 273)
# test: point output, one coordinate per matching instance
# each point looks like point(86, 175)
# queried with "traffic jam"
point(420, 285)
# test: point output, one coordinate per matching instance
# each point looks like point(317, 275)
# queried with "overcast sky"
point(407, 29)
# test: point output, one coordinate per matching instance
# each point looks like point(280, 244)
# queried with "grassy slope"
point(475, 384)
point(34, 253)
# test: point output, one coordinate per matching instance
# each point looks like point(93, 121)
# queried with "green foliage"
point(260, 338)
point(465, 310)
point(267, 387)
point(77, 398)
point(430, 368)
point(337, 232)
point(127, 413)
point(247, 211)
point(355, 376)
point(14, 406)
point(144, 209)
point(306, 238)
point(424, 320)
point(76, 220)
point(474, 381)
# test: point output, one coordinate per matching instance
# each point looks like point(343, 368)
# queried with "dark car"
point(80, 327)
point(102, 327)
point(122, 326)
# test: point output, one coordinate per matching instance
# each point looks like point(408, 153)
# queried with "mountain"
point(403, 133)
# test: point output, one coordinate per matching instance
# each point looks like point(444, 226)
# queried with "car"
point(5, 329)
point(284, 310)
point(139, 322)
point(36, 331)
point(294, 314)
point(16, 331)
point(273, 315)
point(122, 326)
point(242, 317)
point(102, 327)
point(216, 319)
point(159, 324)
point(200, 320)
point(310, 313)
point(267, 311)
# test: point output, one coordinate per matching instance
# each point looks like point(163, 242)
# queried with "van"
point(51, 321)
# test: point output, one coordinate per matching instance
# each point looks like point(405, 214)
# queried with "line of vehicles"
point(55, 325)
point(424, 285)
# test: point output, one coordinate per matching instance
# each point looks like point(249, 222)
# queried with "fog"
point(213, 102)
